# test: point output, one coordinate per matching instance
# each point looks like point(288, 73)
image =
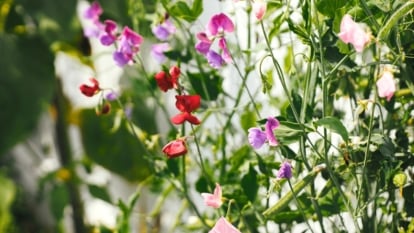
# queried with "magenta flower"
point(217, 26)
point(93, 12)
point(386, 85)
point(257, 137)
point(285, 171)
point(223, 226)
point(109, 33)
point(352, 32)
point(213, 200)
point(128, 47)
point(158, 50)
point(164, 30)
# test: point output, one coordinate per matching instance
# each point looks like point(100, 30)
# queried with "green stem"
point(393, 20)
point(66, 159)
point(299, 206)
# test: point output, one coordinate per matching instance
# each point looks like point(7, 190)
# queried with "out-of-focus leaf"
point(329, 7)
point(207, 85)
point(118, 151)
point(99, 192)
point(249, 184)
point(335, 125)
point(26, 84)
point(7, 195)
point(58, 200)
point(248, 119)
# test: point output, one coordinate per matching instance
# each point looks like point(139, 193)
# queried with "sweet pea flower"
point(219, 24)
point(257, 137)
point(93, 12)
point(216, 28)
point(88, 90)
point(223, 226)
point(352, 32)
point(213, 200)
point(386, 85)
point(109, 34)
point(186, 104)
point(168, 81)
point(164, 30)
point(259, 9)
point(158, 50)
point(129, 43)
point(285, 171)
point(175, 148)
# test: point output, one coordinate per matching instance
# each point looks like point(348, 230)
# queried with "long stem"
point(299, 206)
point(66, 159)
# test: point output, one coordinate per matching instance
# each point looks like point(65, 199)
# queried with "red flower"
point(175, 148)
point(90, 90)
point(168, 81)
point(186, 104)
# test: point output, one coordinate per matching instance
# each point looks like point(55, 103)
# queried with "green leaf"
point(183, 11)
point(335, 125)
point(7, 196)
point(249, 184)
point(329, 7)
point(118, 151)
point(207, 85)
point(197, 8)
point(59, 198)
point(26, 85)
point(99, 192)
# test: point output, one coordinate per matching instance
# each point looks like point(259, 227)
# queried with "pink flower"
point(352, 32)
point(219, 24)
point(129, 43)
point(223, 226)
point(213, 200)
point(259, 9)
point(93, 12)
point(386, 85)
point(175, 148)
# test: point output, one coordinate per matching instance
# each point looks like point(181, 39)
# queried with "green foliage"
point(7, 196)
point(117, 151)
point(26, 85)
point(181, 10)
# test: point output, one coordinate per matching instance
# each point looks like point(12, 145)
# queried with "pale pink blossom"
point(386, 85)
point(354, 33)
point(223, 226)
point(213, 200)
point(259, 9)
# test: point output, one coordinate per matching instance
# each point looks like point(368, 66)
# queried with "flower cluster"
point(104, 105)
point(128, 41)
point(186, 104)
point(216, 28)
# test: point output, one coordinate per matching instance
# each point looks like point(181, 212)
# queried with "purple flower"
point(111, 96)
point(205, 43)
point(258, 137)
point(109, 35)
point(219, 24)
point(214, 59)
point(157, 51)
point(285, 171)
point(226, 54)
point(164, 30)
point(129, 43)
